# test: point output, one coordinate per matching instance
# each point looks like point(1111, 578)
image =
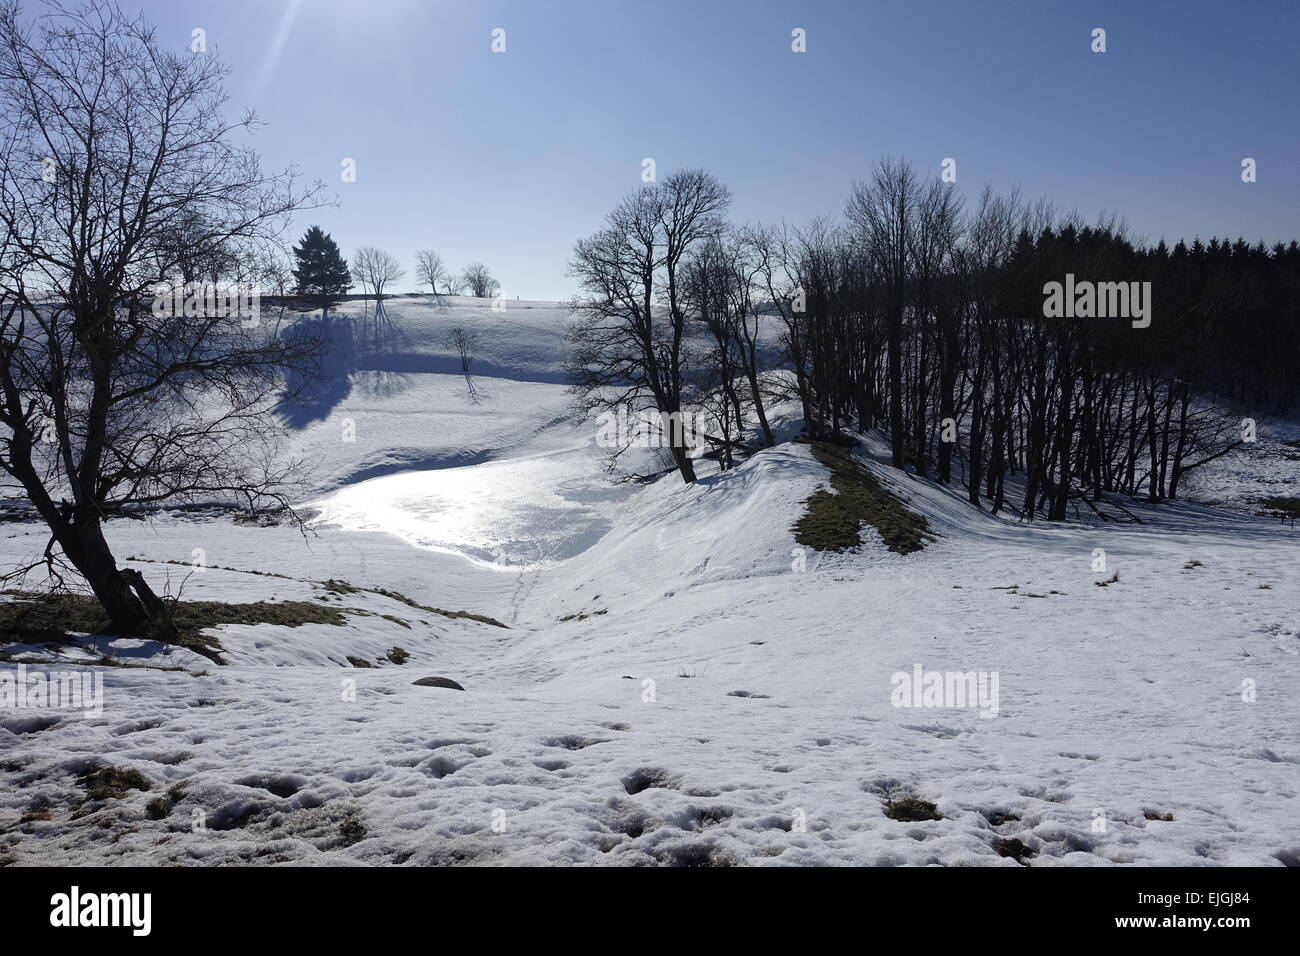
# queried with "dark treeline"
point(923, 317)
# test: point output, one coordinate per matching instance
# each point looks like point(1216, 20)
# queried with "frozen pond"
point(518, 512)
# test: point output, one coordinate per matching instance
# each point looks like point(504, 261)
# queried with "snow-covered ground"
point(677, 682)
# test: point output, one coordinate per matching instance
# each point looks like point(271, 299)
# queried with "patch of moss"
point(45, 618)
point(833, 519)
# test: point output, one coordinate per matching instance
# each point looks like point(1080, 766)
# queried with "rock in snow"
point(437, 682)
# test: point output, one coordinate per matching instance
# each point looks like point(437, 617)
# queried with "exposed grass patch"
point(103, 660)
point(111, 783)
point(833, 519)
point(911, 810)
point(161, 807)
point(465, 615)
point(338, 588)
point(398, 655)
point(218, 567)
point(351, 831)
point(44, 618)
point(335, 586)
point(583, 616)
point(998, 817)
point(1013, 848)
point(41, 811)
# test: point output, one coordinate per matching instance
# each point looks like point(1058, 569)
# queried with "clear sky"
point(509, 157)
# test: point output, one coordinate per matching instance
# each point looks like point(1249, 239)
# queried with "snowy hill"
point(404, 403)
point(678, 681)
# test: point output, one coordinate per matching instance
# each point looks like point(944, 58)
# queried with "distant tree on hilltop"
point(429, 269)
point(376, 269)
point(321, 273)
point(480, 281)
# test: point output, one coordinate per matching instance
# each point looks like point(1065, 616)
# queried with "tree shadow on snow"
point(312, 393)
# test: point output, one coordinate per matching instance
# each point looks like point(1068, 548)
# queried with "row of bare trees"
point(475, 278)
point(377, 269)
point(923, 318)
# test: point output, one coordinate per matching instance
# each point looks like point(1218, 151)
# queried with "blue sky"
point(508, 158)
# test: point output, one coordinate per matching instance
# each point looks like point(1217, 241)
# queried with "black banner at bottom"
point(333, 905)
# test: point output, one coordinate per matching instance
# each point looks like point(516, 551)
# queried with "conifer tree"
point(322, 273)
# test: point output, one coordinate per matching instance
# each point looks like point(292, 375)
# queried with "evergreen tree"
point(322, 272)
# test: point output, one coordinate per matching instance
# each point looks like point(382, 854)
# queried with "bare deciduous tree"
point(881, 211)
point(376, 269)
point(479, 280)
point(118, 168)
point(429, 269)
point(465, 342)
point(631, 328)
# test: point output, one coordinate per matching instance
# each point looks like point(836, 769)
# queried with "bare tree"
point(479, 280)
point(376, 269)
point(631, 328)
point(276, 275)
point(429, 269)
point(465, 342)
point(119, 169)
point(882, 211)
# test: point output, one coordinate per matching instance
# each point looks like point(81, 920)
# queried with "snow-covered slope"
point(678, 682)
point(407, 404)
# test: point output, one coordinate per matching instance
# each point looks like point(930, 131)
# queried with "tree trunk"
point(684, 464)
point(82, 541)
